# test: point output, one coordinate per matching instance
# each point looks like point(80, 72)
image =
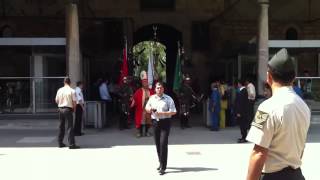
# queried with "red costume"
point(140, 99)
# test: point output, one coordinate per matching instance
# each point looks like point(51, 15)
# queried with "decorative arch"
point(168, 36)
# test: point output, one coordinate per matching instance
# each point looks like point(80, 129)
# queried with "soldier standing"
point(125, 94)
point(140, 99)
point(185, 96)
point(279, 130)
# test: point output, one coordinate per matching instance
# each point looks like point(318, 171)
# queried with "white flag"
point(150, 70)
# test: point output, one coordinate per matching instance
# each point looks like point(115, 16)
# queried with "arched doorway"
point(169, 37)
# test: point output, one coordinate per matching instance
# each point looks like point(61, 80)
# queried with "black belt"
point(284, 170)
point(65, 107)
point(160, 119)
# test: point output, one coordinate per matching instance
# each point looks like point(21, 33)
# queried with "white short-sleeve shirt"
point(79, 95)
point(65, 97)
point(162, 104)
point(281, 125)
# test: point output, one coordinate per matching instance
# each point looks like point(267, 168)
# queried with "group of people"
point(230, 105)
point(159, 106)
point(278, 130)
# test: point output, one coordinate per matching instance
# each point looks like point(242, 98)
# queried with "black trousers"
point(251, 112)
point(285, 174)
point(65, 115)
point(161, 133)
point(108, 111)
point(123, 120)
point(244, 126)
point(78, 120)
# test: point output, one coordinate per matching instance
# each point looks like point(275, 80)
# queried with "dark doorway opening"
point(169, 37)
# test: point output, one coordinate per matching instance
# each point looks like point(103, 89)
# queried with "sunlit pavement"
point(28, 151)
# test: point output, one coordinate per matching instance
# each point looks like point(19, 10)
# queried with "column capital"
point(263, 1)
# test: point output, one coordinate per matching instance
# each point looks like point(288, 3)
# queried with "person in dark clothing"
point(242, 110)
point(125, 94)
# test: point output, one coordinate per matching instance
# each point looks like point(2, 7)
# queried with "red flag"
point(124, 67)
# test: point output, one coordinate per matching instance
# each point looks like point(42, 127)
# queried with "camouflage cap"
point(282, 62)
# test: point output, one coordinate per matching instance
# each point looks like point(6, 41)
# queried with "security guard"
point(280, 127)
point(66, 100)
point(161, 107)
point(125, 94)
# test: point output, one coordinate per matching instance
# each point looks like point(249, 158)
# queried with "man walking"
point(280, 127)
point(161, 107)
point(66, 100)
point(242, 110)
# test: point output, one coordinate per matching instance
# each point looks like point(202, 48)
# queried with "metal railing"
point(29, 94)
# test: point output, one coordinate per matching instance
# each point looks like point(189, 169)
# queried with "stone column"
point(73, 46)
point(263, 46)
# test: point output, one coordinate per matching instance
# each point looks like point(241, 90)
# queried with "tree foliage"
point(141, 53)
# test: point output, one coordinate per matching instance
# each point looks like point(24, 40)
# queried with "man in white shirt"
point(161, 107)
point(79, 109)
point(252, 97)
point(106, 98)
point(66, 100)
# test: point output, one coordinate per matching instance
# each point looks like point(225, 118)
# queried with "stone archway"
point(167, 35)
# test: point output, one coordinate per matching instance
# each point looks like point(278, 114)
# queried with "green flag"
point(177, 74)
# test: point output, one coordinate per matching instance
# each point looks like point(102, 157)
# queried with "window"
point(291, 34)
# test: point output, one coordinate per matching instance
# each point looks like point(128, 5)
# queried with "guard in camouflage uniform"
point(125, 94)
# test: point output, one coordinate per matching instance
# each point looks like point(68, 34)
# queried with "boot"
point(147, 133)
point(138, 133)
point(187, 122)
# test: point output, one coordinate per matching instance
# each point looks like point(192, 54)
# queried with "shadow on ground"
point(188, 169)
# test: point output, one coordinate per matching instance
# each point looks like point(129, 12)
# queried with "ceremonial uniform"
point(140, 99)
point(125, 94)
point(185, 96)
point(280, 127)
point(214, 108)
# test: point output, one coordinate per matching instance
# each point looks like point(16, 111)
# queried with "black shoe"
point(242, 141)
point(74, 147)
point(78, 134)
point(158, 168)
point(162, 172)
point(61, 145)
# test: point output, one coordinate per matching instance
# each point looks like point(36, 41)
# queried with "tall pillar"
point(263, 46)
point(73, 47)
